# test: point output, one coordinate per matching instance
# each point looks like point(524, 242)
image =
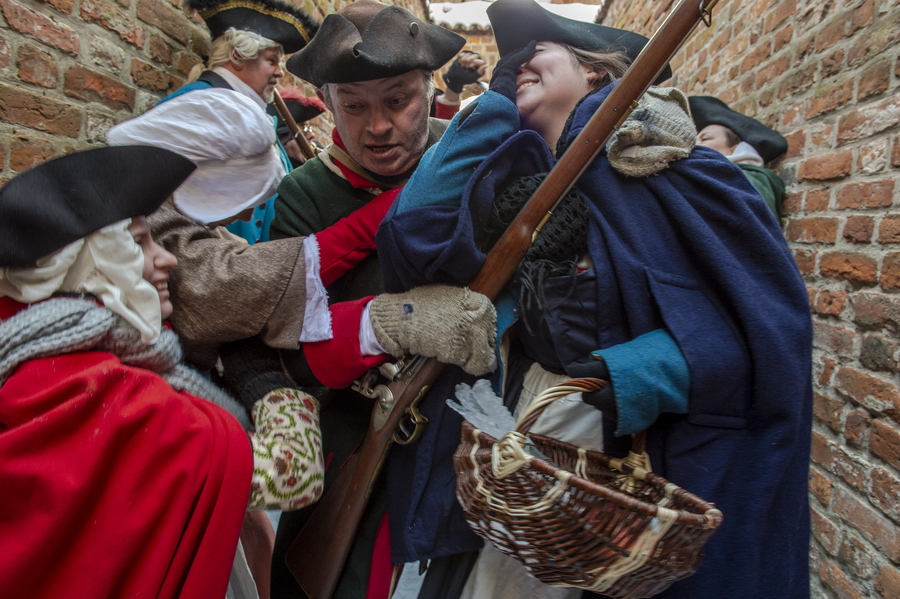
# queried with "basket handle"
point(551, 394)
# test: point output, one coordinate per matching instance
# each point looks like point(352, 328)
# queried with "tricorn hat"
point(273, 19)
point(517, 22)
point(370, 40)
point(709, 110)
point(51, 205)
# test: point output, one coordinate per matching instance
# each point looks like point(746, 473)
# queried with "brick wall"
point(71, 69)
point(825, 74)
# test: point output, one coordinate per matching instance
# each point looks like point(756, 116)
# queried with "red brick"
point(833, 63)
point(800, 79)
point(887, 583)
point(147, 75)
point(783, 11)
point(850, 266)
point(879, 353)
point(806, 261)
point(825, 531)
point(757, 56)
point(92, 86)
point(876, 309)
point(873, 527)
point(831, 98)
point(820, 486)
point(736, 47)
point(165, 17)
point(25, 152)
point(895, 152)
point(64, 6)
point(832, 338)
point(875, 40)
point(889, 229)
point(884, 491)
point(39, 27)
point(36, 66)
point(870, 194)
point(184, 62)
point(833, 32)
point(837, 461)
point(5, 53)
point(874, 80)
point(873, 157)
point(21, 107)
point(890, 271)
point(111, 17)
point(830, 303)
point(826, 371)
point(869, 120)
point(792, 203)
point(859, 229)
point(796, 142)
point(814, 229)
point(160, 51)
point(829, 410)
point(856, 427)
point(835, 579)
point(857, 557)
point(2, 155)
point(817, 200)
point(866, 390)
point(821, 136)
point(823, 168)
point(884, 441)
point(862, 16)
point(783, 37)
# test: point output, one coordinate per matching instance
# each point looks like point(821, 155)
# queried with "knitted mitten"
point(250, 370)
point(659, 131)
point(458, 76)
point(453, 324)
point(503, 80)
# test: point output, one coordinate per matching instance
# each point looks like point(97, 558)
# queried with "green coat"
point(769, 185)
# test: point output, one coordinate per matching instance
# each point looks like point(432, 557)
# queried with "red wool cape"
point(112, 484)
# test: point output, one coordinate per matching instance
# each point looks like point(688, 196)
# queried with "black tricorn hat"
point(53, 204)
point(517, 22)
point(275, 20)
point(709, 110)
point(370, 40)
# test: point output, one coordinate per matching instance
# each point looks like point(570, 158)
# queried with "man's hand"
point(453, 324)
point(468, 68)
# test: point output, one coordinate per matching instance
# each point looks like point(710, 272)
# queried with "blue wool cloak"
point(693, 251)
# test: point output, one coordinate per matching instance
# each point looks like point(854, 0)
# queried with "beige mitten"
point(659, 131)
point(453, 324)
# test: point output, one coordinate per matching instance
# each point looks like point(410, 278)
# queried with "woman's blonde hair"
point(234, 45)
point(612, 64)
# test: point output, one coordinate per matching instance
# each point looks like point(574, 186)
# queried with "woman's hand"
point(503, 81)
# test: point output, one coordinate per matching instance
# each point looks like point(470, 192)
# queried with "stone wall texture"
point(825, 74)
point(71, 69)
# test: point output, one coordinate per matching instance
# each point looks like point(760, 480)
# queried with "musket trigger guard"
point(403, 436)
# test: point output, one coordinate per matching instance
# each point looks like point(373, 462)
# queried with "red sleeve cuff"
point(337, 362)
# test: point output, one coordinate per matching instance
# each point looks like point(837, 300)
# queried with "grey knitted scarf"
point(62, 326)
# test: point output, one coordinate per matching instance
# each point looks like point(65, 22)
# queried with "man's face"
point(383, 122)
point(261, 73)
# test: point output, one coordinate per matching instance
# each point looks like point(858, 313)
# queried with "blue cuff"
point(650, 376)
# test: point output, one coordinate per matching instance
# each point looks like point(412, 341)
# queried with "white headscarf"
point(107, 264)
point(228, 137)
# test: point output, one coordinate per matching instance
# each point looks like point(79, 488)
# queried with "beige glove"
point(453, 324)
point(659, 131)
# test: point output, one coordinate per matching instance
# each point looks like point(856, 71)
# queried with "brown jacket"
point(224, 289)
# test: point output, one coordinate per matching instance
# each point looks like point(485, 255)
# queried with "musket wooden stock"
point(317, 556)
point(288, 118)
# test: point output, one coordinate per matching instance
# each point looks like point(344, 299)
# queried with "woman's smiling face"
point(548, 87)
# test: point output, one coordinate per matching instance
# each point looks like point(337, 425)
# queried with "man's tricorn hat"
point(51, 205)
point(370, 40)
point(517, 22)
point(273, 19)
point(709, 110)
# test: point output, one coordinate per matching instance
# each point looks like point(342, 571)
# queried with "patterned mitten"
point(659, 131)
point(453, 324)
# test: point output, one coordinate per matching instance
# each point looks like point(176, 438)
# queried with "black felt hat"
point(517, 22)
point(58, 202)
point(370, 40)
point(275, 20)
point(709, 110)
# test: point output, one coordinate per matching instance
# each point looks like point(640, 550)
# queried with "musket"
point(296, 134)
point(320, 550)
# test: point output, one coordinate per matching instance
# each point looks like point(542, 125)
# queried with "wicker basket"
point(592, 521)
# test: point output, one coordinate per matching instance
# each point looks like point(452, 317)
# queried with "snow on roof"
point(473, 14)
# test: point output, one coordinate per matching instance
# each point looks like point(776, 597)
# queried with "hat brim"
point(709, 110)
point(60, 201)
point(278, 21)
point(518, 22)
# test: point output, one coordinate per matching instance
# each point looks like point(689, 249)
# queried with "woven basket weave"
point(591, 521)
